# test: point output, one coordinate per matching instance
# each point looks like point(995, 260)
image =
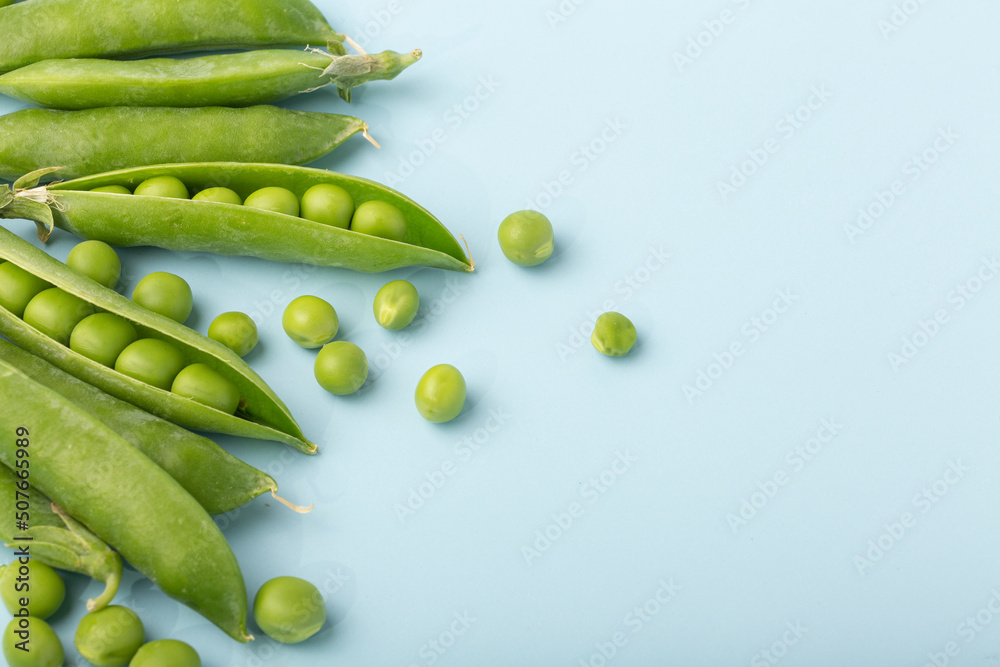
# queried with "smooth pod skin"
point(235, 330)
point(289, 609)
point(396, 304)
point(98, 140)
point(614, 334)
point(96, 260)
point(45, 588)
point(440, 394)
point(124, 498)
point(166, 294)
point(310, 321)
point(261, 76)
point(166, 653)
point(341, 368)
point(261, 413)
point(44, 647)
point(526, 238)
point(123, 27)
point(109, 637)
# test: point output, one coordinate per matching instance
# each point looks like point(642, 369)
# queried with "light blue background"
point(497, 112)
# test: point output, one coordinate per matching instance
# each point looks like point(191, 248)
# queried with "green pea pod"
point(219, 481)
point(97, 140)
point(233, 79)
point(230, 229)
point(43, 29)
point(123, 497)
point(55, 538)
point(262, 415)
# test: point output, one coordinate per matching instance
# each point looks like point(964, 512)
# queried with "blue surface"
point(761, 481)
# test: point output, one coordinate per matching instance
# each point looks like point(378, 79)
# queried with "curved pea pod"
point(232, 79)
point(124, 498)
point(261, 414)
point(219, 481)
point(36, 31)
point(55, 538)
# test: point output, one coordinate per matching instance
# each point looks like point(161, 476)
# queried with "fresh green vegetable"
point(102, 337)
point(18, 287)
point(235, 330)
point(109, 637)
point(219, 194)
point(396, 305)
point(43, 646)
point(202, 384)
point(440, 394)
point(328, 204)
point(341, 367)
point(166, 653)
point(31, 581)
point(166, 294)
point(151, 361)
point(614, 334)
point(310, 321)
point(381, 219)
point(55, 313)
point(526, 238)
point(114, 189)
point(289, 609)
point(162, 186)
point(275, 199)
point(96, 260)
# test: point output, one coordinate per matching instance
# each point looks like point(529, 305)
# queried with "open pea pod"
point(261, 413)
point(232, 229)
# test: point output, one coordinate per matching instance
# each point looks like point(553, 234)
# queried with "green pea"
point(163, 186)
point(310, 321)
point(440, 393)
point(166, 294)
point(101, 337)
point(341, 368)
point(44, 647)
point(166, 653)
point(377, 218)
point(18, 287)
point(279, 200)
point(235, 330)
point(328, 204)
point(526, 238)
point(114, 189)
point(203, 384)
point(55, 313)
point(396, 305)
point(96, 260)
point(150, 360)
point(222, 195)
point(45, 590)
point(614, 334)
point(109, 637)
point(289, 609)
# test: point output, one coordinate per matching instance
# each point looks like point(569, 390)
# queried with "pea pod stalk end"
point(24, 200)
point(350, 71)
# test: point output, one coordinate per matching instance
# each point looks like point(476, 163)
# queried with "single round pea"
point(109, 637)
point(166, 294)
point(44, 647)
point(310, 321)
point(45, 588)
point(55, 313)
point(235, 330)
point(279, 200)
point(328, 204)
point(396, 305)
point(101, 337)
point(289, 609)
point(163, 186)
point(526, 238)
point(150, 360)
point(205, 385)
point(221, 195)
point(96, 260)
point(341, 367)
point(166, 653)
point(614, 334)
point(114, 189)
point(440, 393)
point(378, 218)
point(18, 287)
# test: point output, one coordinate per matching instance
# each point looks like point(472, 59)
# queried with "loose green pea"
point(526, 238)
point(166, 294)
point(341, 368)
point(166, 653)
point(101, 337)
point(18, 287)
point(614, 334)
point(279, 200)
point(45, 590)
point(201, 383)
point(396, 305)
point(44, 647)
point(150, 360)
point(109, 637)
point(328, 204)
point(55, 313)
point(114, 189)
point(222, 195)
point(96, 260)
point(378, 218)
point(235, 330)
point(289, 609)
point(163, 186)
point(440, 394)
point(310, 321)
